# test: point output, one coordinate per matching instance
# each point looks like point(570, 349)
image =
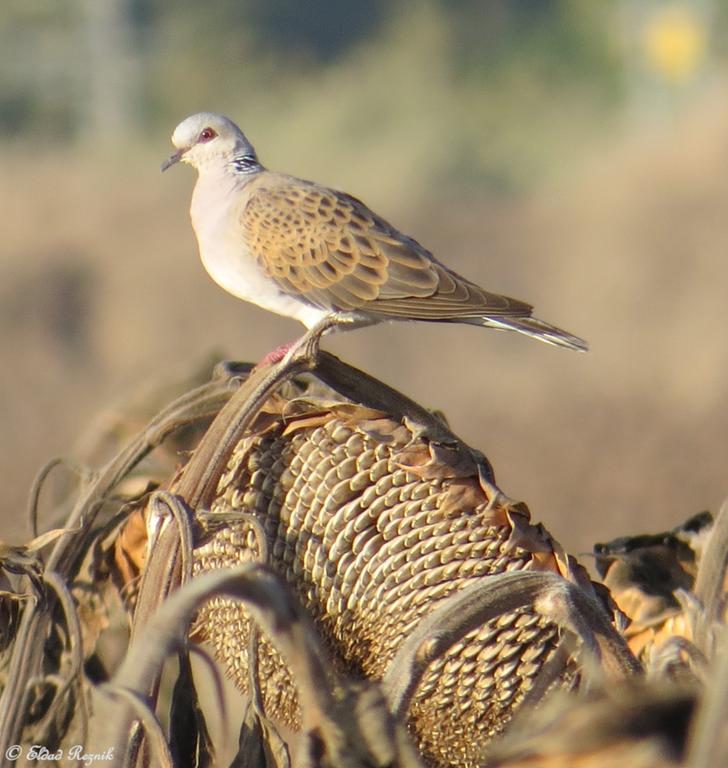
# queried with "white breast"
point(216, 203)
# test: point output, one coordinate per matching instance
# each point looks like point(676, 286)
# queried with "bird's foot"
point(307, 347)
point(275, 355)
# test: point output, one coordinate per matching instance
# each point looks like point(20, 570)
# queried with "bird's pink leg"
point(275, 355)
point(308, 344)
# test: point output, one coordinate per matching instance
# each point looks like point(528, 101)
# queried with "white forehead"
point(186, 133)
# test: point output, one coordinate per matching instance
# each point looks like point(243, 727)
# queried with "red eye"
point(207, 135)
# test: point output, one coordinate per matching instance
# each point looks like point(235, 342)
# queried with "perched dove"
point(321, 256)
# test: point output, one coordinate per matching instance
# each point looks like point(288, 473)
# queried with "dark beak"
point(172, 159)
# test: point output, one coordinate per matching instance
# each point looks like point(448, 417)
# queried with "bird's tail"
point(537, 329)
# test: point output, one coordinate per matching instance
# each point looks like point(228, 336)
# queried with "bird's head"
point(206, 137)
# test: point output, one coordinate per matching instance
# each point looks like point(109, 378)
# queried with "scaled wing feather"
point(333, 252)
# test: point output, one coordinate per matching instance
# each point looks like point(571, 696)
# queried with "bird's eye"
point(207, 135)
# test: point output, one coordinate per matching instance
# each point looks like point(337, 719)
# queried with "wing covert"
point(331, 250)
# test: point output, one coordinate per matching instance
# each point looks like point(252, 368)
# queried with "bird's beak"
point(172, 159)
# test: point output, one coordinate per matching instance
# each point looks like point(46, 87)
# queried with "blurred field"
point(612, 224)
point(102, 292)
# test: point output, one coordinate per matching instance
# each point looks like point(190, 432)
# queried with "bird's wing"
point(333, 252)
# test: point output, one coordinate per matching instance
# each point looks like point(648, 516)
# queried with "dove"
point(320, 256)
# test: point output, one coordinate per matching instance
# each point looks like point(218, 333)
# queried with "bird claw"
point(275, 355)
point(307, 347)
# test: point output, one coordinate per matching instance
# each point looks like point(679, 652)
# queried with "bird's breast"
point(229, 260)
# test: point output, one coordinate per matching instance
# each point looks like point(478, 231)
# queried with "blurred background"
point(572, 153)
